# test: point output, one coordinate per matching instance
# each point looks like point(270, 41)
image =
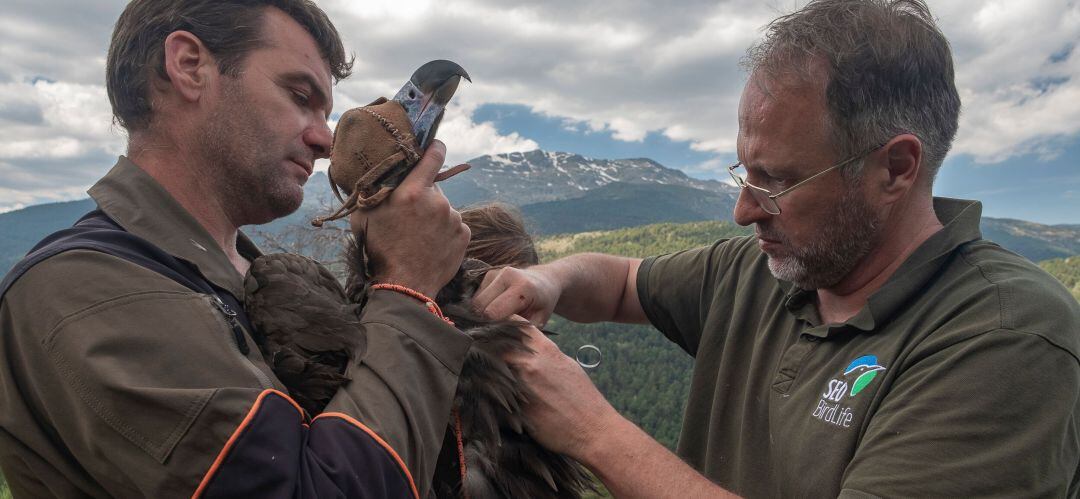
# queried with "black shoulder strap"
point(96, 231)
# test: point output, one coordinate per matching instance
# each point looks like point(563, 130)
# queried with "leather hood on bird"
point(374, 149)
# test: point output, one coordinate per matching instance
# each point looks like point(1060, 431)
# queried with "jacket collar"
point(132, 198)
point(961, 225)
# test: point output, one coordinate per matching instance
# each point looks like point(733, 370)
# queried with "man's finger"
point(424, 173)
point(490, 288)
point(507, 303)
point(539, 318)
point(490, 277)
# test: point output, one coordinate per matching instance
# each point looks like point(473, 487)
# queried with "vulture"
point(309, 327)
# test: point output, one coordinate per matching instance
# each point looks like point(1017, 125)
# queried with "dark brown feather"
point(309, 330)
point(501, 458)
point(312, 331)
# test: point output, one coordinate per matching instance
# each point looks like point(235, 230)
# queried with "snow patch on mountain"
point(536, 176)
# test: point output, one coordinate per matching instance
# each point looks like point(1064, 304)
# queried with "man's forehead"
point(292, 45)
point(779, 119)
point(768, 96)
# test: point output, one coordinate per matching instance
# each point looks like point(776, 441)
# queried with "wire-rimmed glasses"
point(766, 199)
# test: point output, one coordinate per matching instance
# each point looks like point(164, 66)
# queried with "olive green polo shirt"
point(959, 378)
point(117, 381)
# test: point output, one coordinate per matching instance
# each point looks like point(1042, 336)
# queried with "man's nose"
point(319, 138)
point(747, 209)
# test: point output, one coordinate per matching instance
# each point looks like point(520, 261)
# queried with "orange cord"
point(460, 450)
point(428, 302)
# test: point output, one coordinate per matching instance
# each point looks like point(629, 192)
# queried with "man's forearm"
point(410, 412)
point(596, 287)
point(632, 464)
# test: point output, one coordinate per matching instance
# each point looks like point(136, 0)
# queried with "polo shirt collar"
point(132, 198)
point(960, 219)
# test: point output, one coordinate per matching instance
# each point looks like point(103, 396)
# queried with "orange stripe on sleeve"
point(374, 436)
point(236, 435)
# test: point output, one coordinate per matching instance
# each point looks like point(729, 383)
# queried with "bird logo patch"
point(858, 374)
point(864, 369)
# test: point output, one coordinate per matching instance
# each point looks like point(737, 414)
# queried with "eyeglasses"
point(767, 200)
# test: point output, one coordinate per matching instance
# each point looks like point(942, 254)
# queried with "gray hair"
point(889, 71)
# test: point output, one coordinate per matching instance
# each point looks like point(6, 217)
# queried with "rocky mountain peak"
point(537, 176)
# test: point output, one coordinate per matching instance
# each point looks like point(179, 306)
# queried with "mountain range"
point(524, 178)
point(558, 193)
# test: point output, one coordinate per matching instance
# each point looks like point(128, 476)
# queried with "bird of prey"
point(377, 145)
point(426, 94)
point(311, 330)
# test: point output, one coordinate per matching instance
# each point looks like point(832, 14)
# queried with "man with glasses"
point(866, 341)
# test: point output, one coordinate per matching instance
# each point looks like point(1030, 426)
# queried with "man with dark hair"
point(867, 342)
point(125, 369)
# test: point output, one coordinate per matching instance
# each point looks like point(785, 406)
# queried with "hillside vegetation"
point(1066, 270)
point(640, 242)
point(1036, 242)
point(618, 205)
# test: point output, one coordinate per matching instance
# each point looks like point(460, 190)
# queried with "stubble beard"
point(240, 152)
point(843, 241)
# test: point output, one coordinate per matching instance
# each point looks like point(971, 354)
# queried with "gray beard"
point(848, 237)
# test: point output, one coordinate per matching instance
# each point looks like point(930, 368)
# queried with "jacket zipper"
point(239, 343)
point(237, 329)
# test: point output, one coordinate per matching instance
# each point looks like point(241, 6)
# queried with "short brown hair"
point(230, 29)
point(499, 237)
point(890, 71)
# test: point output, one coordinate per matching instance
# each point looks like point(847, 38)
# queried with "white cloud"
point(1019, 120)
point(1018, 70)
point(714, 168)
point(466, 139)
point(12, 207)
point(628, 67)
point(56, 138)
point(14, 199)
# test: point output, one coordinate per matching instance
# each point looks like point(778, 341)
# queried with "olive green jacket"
point(117, 381)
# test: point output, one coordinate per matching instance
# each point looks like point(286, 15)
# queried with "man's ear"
point(188, 65)
point(903, 161)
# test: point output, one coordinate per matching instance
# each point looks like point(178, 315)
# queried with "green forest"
point(645, 376)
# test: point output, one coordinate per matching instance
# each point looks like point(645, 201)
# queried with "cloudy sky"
point(604, 78)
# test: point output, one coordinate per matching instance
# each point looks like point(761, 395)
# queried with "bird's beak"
point(426, 94)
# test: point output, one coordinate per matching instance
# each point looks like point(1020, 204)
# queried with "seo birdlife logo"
point(857, 376)
point(865, 368)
